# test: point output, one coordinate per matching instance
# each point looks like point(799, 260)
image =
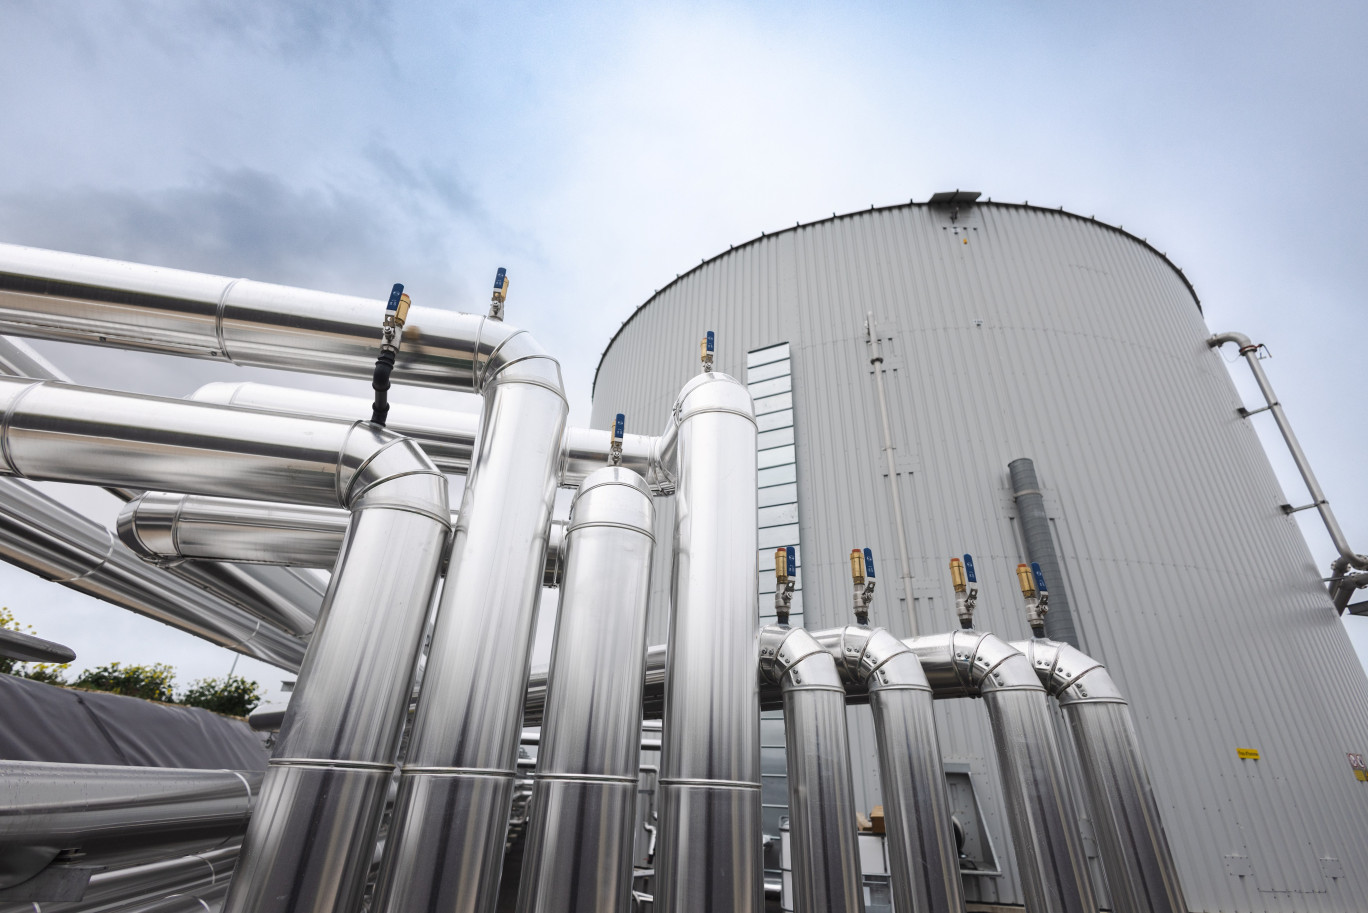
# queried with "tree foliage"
point(151, 683)
point(232, 695)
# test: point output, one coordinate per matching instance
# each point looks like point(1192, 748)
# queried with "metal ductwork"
point(923, 856)
point(45, 537)
point(162, 527)
point(583, 806)
point(135, 889)
point(826, 854)
point(710, 848)
point(280, 597)
point(353, 687)
point(1141, 874)
point(115, 816)
point(461, 763)
point(448, 436)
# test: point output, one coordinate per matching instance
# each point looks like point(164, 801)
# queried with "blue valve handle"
point(619, 424)
point(710, 342)
point(969, 569)
point(395, 292)
point(499, 278)
point(1039, 577)
point(792, 556)
point(869, 562)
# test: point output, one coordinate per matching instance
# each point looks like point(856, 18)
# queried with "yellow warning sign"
point(1248, 754)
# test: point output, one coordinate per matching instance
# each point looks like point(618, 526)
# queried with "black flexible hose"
point(380, 382)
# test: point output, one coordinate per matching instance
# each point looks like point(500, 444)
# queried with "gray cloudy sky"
point(596, 150)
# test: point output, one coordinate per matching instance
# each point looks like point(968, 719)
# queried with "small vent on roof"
point(954, 197)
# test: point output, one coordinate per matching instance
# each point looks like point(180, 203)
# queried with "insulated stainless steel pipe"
point(115, 816)
point(45, 537)
point(446, 435)
point(1040, 809)
point(277, 596)
point(1139, 865)
point(710, 851)
point(923, 856)
point(826, 853)
point(339, 737)
point(578, 856)
point(161, 527)
point(130, 889)
point(446, 839)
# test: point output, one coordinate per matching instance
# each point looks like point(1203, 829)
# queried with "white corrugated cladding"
point(1015, 331)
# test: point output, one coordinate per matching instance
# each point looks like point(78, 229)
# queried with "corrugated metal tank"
point(1014, 331)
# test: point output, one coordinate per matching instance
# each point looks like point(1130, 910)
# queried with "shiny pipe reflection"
point(1040, 808)
point(1136, 857)
point(583, 806)
point(125, 890)
point(161, 527)
point(826, 858)
point(463, 751)
point(710, 846)
point(47, 538)
point(446, 435)
point(922, 853)
point(115, 816)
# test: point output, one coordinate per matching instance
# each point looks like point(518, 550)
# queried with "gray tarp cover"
point(41, 722)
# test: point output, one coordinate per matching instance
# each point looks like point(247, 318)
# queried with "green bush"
point(231, 695)
point(49, 673)
point(151, 683)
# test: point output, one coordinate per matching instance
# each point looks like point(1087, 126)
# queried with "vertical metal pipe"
point(450, 819)
point(826, 857)
point(710, 847)
point(923, 856)
point(1040, 809)
point(309, 847)
point(1139, 865)
point(1040, 547)
point(578, 856)
point(895, 498)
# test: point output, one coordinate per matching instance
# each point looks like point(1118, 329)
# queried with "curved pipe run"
point(826, 857)
point(1139, 865)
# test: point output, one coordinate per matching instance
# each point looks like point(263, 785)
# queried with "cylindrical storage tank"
point(1011, 331)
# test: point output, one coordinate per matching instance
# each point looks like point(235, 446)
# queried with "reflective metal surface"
point(115, 815)
point(922, 853)
point(447, 435)
point(1141, 875)
point(710, 849)
point(30, 649)
point(44, 536)
point(583, 807)
point(124, 890)
point(310, 842)
point(826, 858)
point(464, 744)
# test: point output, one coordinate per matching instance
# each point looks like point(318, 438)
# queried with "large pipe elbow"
point(1068, 674)
point(973, 663)
point(1240, 339)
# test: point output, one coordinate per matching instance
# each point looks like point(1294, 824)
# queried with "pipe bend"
point(1221, 339)
point(713, 392)
point(973, 663)
point(616, 496)
point(378, 468)
point(793, 658)
point(147, 525)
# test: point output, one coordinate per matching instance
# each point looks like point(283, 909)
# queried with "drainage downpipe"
point(161, 527)
point(339, 737)
point(115, 816)
point(578, 856)
point(1040, 809)
point(463, 750)
point(1347, 556)
point(1135, 851)
point(1035, 529)
point(895, 499)
point(826, 856)
point(923, 855)
point(710, 851)
point(49, 539)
